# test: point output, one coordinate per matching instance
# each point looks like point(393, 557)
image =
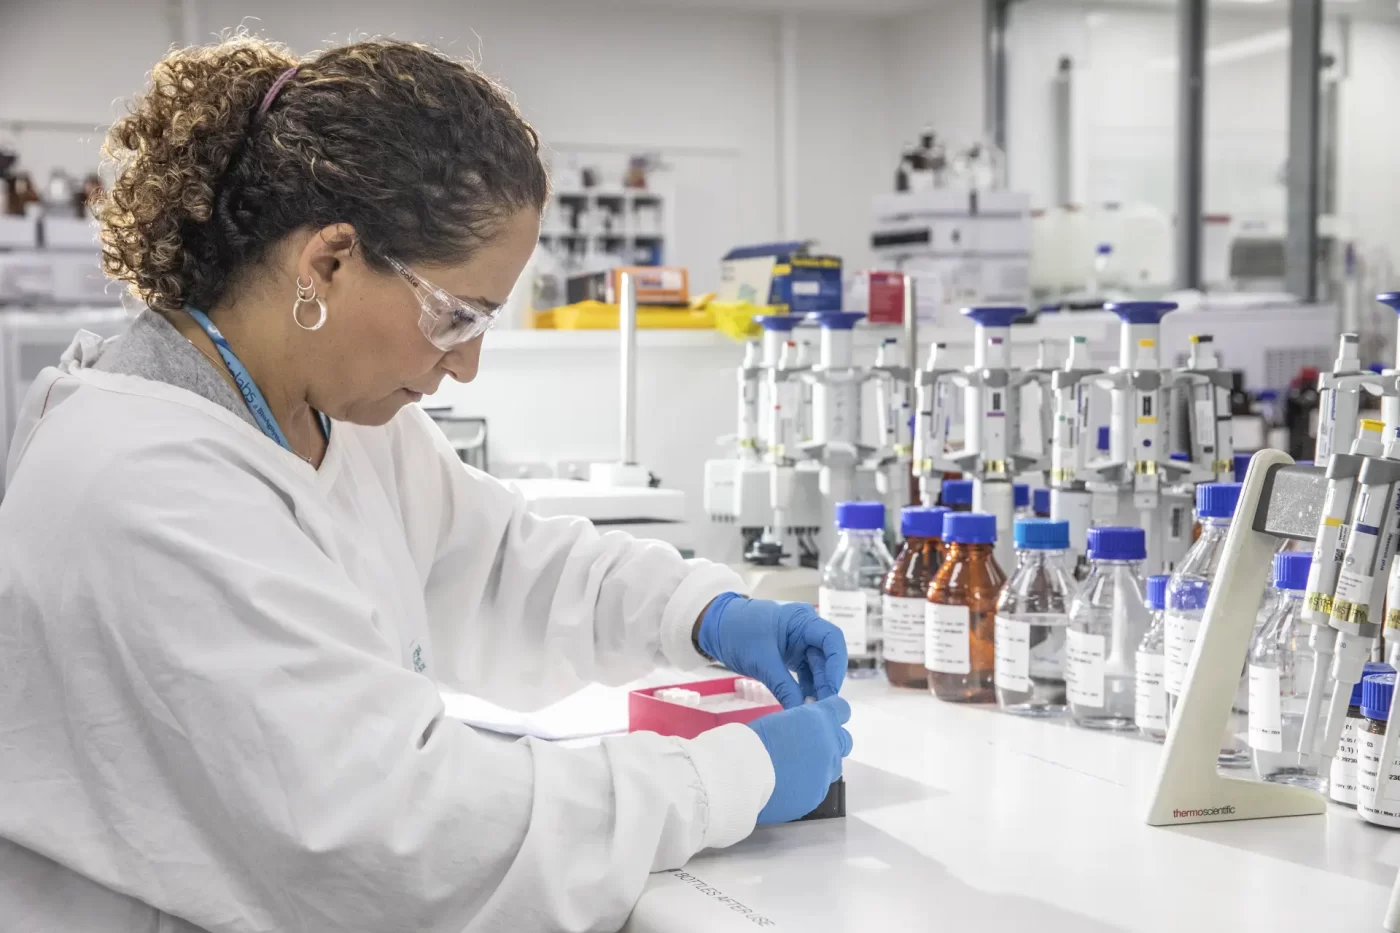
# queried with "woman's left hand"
point(766, 640)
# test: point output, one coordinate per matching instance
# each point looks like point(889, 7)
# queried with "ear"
point(324, 255)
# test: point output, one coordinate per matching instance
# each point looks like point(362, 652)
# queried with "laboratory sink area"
point(961, 818)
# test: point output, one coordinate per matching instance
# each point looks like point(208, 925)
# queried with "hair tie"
point(276, 89)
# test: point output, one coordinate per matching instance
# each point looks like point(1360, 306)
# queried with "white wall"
point(1369, 184)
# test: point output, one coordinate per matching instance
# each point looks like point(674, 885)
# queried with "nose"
point(462, 362)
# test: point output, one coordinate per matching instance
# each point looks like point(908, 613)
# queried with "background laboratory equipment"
point(960, 627)
point(1186, 603)
point(850, 596)
point(1107, 621)
point(1150, 705)
point(906, 594)
point(1280, 671)
point(1032, 616)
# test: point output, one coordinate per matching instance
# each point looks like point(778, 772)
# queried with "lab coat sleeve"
point(524, 610)
point(258, 759)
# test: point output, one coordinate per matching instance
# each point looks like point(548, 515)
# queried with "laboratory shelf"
point(963, 818)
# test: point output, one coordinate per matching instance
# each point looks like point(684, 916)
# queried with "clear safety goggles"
point(446, 320)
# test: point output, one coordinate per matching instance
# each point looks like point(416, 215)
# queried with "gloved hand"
point(806, 745)
point(765, 640)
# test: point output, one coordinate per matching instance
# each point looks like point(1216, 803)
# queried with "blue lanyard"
point(252, 395)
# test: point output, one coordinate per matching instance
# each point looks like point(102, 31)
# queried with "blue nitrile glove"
point(806, 745)
point(765, 640)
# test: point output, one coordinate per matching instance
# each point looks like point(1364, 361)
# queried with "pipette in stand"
point(1359, 597)
point(933, 388)
point(1070, 500)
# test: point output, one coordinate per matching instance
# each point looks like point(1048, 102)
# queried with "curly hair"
point(423, 155)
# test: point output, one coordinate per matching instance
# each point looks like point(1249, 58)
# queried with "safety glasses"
point(447, 321)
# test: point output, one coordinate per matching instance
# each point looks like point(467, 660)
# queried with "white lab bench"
point(961, 818)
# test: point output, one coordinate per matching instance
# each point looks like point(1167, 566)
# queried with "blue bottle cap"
point(920, 521)
point(836, 320)
point(1372, 667)
point(1107, 542)
point(1291, 570)
point(1041, 534)
point(1040, 501)
point(957, 492)
point(1217, 500)
point(1021, 494)
point(969, 528)
point(993, 315)
point(1157, 590)
point(860, 516)
point(1376, 691)
point(1104, 440)
point(778, 322)
point(1141, 312)
point(1242, 466)
point(1377, 368)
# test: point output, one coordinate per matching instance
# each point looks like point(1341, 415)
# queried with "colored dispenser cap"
point(1042, 534)
point(1291, 570)
point(1040, 501)
point(1377, 368)
point(1021, 495)
point(1242, 466)
point(1376, 691)
point(969, 528)
point(1104, 438)
point(1104, 249)
point(1157, 590)
point(1372, 425)
point(1372, 667)
point(1110, 543)
point(783, 323)
point(920, 521)
point(957, 492)
point(1217, 500)
point(1180, 456)
point(1391, 299)
point(836, 320)
point(993, 315)
point(860, 516)
point(1141, 312)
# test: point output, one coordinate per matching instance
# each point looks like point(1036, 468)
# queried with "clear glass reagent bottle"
point(1187, 594)
point(1032, 618)
point(960, 625)
point(1150, 703)
point(1280, 672)
point(906, 595)
point(1107, 621)
point(850, 596)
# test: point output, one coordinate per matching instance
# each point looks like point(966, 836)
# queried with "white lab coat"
point(212, 714)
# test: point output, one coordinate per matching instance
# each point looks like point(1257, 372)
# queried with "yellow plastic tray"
point(736, 318)
point(595, 315)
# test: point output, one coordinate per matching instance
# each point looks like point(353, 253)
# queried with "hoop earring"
point(307, 293)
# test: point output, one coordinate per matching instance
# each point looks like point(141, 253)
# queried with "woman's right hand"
point(806, 744)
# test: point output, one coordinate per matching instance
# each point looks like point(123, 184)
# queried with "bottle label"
point(1150, 699)
point(847, 611)
point(947, 639)
point(1180, 643)
point(1265, 715)
point(1341, 785)
point(1085, 671)
point(1013, 649)
point(1384, 802)
point(904, 629)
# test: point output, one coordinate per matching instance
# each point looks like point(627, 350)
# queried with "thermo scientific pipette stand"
point(1278, 500)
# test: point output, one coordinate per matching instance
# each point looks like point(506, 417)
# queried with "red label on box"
point(886, 298)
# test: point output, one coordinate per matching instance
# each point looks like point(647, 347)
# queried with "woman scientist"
point(236, 562)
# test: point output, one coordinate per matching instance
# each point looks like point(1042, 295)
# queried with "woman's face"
point(373, 357)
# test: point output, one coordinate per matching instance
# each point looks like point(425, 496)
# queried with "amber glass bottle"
point(906, 594)
point(960, 624)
